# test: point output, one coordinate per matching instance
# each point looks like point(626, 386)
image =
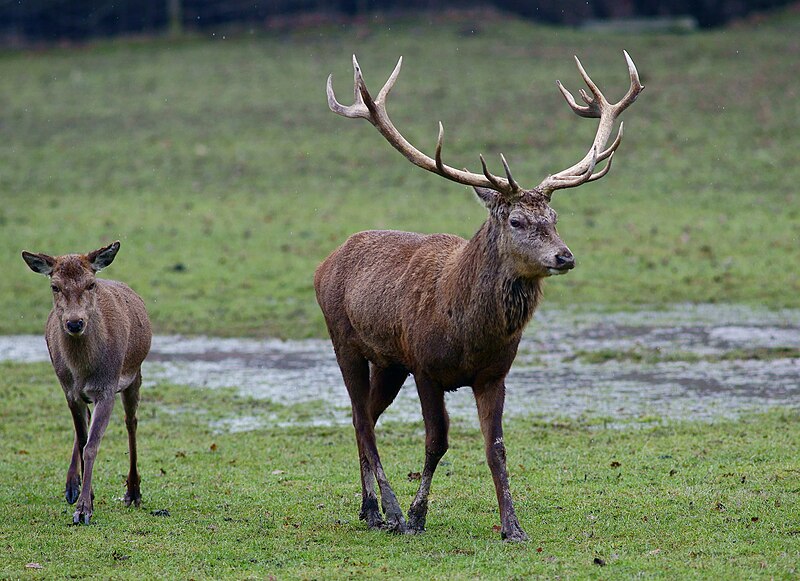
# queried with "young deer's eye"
point(55, 288)
point(90, 286)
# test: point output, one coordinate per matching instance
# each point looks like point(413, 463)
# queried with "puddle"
point(545, 380)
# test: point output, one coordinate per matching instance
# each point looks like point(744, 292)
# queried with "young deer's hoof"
point(133, 498)
point(83, 513)
point(79, 517)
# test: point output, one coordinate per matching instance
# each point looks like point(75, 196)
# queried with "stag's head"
point(524, 231)
point(522, 220)
point(72, 280)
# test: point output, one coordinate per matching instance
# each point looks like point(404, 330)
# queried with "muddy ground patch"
point(687, 362)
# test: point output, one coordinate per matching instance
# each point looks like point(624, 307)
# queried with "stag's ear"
point(101, 258)
point(39, 263)
point(488, 196)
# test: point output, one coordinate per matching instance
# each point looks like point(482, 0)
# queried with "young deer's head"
point(521, 221)
point(72, 279)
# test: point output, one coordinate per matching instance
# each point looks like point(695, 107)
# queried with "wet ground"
point(690, 362)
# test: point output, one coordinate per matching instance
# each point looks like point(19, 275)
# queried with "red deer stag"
point(98, 334)
point(447, 310)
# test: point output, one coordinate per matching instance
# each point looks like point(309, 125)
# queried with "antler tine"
point(636, 85)
point(572, 180)
point(493, 179)
point(598, 96)
point(512, 182)
point(587, 110)
point(384, 92)
point(602, 172)
point(613, 147)
point(358, 108)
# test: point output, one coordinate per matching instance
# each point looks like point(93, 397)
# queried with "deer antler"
point(374, 111)
point(596, 106)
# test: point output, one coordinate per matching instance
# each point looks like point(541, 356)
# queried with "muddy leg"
point(130, 402)
point(100, 418)
point(355, 371)
point(436, 426)
point(385, 383)
point(490, 398)
point(80, 418)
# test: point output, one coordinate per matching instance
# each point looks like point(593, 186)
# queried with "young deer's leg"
point(130, 402)
point(490, 398)
point(355, 371)
point(434, 414)
point(102, 414)
point(80, 418)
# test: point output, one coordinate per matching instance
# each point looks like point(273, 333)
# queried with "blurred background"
point(198, 134)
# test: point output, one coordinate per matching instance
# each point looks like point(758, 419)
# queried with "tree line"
point(53, 20)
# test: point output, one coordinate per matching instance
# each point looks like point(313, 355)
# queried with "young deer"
point(98, 334)
point(447, 310)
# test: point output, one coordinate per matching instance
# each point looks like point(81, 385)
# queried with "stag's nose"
point(565, 260)
point(75, 326)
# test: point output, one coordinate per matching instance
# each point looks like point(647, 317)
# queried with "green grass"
point(219, 166)
point(669, 501)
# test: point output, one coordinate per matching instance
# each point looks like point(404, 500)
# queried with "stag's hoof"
point(416, 517)
point(395, 523)
point(72, 492)
point(514, 534)
point(370, 513)
point(133, 497)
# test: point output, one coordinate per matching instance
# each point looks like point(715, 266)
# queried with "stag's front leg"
point(490, 399)
point(434, 414)
point(80, 418)
point(102, 414)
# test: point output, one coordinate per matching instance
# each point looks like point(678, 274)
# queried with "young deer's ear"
point(39, 263)
point(101, 258)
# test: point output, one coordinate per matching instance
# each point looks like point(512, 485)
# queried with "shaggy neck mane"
point(520, 297)
point(482, 268)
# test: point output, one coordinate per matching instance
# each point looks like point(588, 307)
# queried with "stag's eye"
point(515, 223)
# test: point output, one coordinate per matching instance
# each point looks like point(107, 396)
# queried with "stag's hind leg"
point(130, 402)
point(355, 371)
point(434, 414)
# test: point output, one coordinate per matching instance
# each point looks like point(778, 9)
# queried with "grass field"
point(218, 165)
point(714, 501)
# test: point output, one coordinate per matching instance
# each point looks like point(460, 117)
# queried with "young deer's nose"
point(565, 260)
point(75, 326)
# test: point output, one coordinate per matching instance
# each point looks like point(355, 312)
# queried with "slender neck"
point(488, 291)
point(81, 352)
